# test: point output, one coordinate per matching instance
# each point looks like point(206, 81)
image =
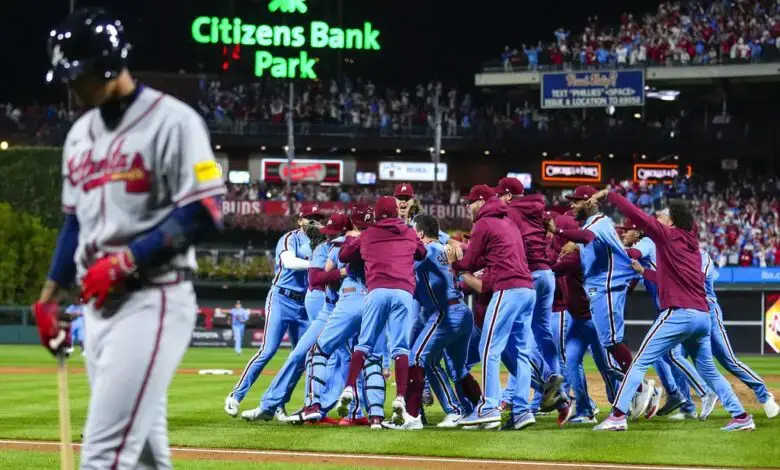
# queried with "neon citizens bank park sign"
point(312, 35)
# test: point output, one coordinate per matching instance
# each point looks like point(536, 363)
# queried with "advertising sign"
point(593, 89)
point(772, 323)
point(653, 172)
point(278, 170)
point(524, 178)
point(405, 171)
point(571, 172)
point(301, 36)
point(216, 338)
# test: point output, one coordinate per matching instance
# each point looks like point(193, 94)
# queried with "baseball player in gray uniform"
point(139, 189)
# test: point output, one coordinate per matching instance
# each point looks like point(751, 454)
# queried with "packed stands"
point(677, 33)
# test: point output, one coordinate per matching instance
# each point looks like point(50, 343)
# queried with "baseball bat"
point(66, 447)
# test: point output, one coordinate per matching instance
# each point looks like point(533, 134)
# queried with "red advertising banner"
point(282, 208)
point(555, 171)
point(278, 170)
point(772, 323)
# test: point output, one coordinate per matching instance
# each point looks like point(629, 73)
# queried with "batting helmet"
point(362, 216)
point(88, 41)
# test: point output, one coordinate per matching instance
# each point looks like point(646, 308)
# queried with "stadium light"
point(262, 148)
point(644, 157)
point(544, 154)
point(218, 147)
point(637, 116)
point(308, 149)
point(443, 151)
point(352, 149)
point(487, 152)
point(676, 157)
point(579, 154)
point(611, 155)
point(286, 148)
point(397, 150)
point(4, 145)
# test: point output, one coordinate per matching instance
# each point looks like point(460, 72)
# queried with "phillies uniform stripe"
point(286, 248)
point(733, 357)
point(645, 342)
point(262, 348)
point(562, 335)
point(439, 374)
point(147, 374)
point(691, 378)
point(611, 312)
point(486, 349)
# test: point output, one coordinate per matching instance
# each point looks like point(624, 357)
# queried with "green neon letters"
point(288, 6)
point(213, 30)
point(315, 35)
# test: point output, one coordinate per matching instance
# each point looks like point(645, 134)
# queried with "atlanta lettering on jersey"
point(94, 173)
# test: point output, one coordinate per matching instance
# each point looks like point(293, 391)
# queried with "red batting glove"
point(53, 337)
point(109, 272)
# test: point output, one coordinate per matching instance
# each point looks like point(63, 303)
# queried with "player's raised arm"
point(655, 230)
point(350, 251)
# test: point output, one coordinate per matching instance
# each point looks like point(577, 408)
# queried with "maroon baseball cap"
point(509, 185)
point(336, 225)
point(362, 216)
point(582, 193)
point(309, 210)
point(404, 189)
point(480, 192)
point(627, 225)
point(385, 208)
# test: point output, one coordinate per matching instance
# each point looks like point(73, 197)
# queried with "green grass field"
point(28, 411)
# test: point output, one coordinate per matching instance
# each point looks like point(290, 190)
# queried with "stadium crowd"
point(677, 33)
point(738, 219)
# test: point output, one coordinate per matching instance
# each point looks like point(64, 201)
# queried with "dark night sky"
point(421, 39)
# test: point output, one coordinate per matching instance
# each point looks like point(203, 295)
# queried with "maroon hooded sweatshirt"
point(389, 249)
point(680, 279)
point(569, 269)
point(497, 242)
point(527, 213)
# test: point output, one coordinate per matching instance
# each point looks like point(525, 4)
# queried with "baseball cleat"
point(770, 407)
point(642, 399)
point(257, 414)
point(492, 416)
point(682, 416)
point(708, 402)
point(517, 423)
point(280, 414)
point(231, 406)
point(673, 403)
point(583, 419)
point(347, 397)
point(740, 424)
point(312, 413)
point(354, 422)
point(482, 427)
point(550, 391)
point(450, 421)
point(655, 403)
point(376, 423)
point(612, 423)
point(410, 423)
point(565, 413)
point(559, 400)
point(399, 411)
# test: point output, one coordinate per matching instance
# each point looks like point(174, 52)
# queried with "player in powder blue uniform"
point(607, 271)
point(448, 327)
point(285, 309)
point(676, 374)
point(342, 326)
point(281, 388)
point(238, 318)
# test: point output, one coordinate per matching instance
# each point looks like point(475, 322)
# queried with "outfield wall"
point(751, 315)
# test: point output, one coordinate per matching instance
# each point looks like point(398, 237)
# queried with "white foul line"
point(397, 458)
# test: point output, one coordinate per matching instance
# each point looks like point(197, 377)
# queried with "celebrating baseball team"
point(386, 283)
point(355, 291)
